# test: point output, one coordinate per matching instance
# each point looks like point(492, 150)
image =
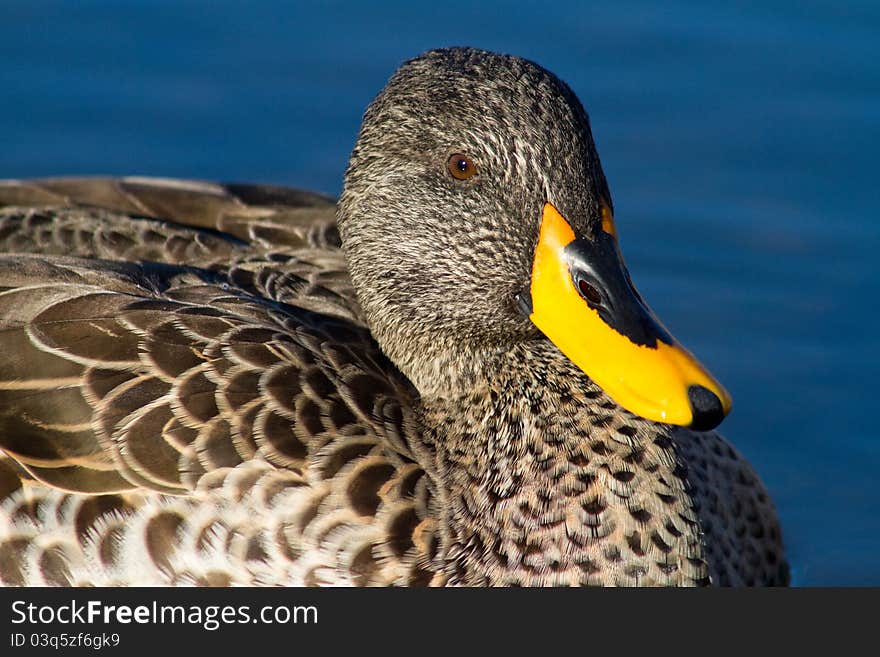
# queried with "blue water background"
point(740, 142)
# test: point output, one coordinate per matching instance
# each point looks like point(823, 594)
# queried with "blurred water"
point(739, 142)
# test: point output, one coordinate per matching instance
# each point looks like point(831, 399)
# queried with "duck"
point(446, 377)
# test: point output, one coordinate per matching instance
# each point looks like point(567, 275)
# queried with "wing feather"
point(166, 370)
point(189, 394)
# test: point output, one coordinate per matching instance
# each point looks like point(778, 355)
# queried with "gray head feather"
point(437, 261)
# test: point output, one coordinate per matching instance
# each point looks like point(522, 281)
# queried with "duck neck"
point(543, 480)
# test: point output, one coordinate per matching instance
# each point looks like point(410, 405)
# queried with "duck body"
point(210, 384)
point(548, 482)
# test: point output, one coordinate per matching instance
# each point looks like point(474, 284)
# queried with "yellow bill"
point(583, 300)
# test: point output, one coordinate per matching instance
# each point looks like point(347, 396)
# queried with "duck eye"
point(461, 166)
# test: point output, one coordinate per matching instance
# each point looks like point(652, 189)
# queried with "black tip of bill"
point(707, 408)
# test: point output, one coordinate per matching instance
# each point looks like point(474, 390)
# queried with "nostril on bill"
point(589, 292)
point(706, 407)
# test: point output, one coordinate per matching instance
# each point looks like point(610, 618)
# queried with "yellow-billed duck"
point(446, 378)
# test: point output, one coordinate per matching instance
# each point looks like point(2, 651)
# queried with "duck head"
point(476, 216)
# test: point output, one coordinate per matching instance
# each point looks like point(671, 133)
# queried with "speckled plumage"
point(207, 384)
